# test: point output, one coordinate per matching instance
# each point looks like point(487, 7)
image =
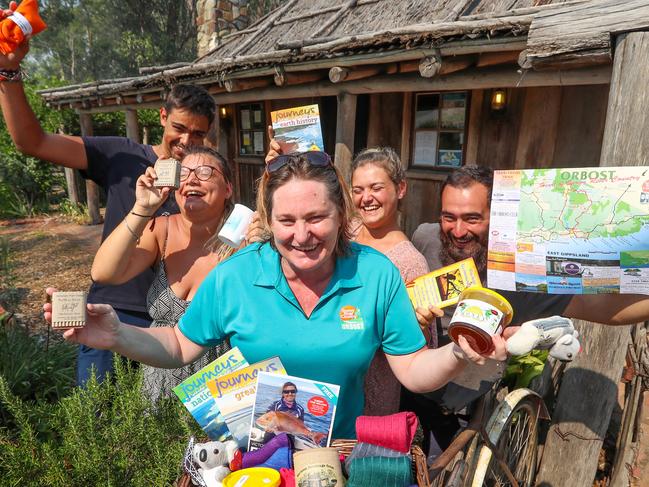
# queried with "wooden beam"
point(92, 190)
point(570, 60)
point(338, 74)
point(132, 125)
point(345, 131)
point(499, 76)
point(243, 85)
point(430, 65)
point(589, 389)
point(582, 28)
point(406, 129)
point(495, 58)
point(473, 130)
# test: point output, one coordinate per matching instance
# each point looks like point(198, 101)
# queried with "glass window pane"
point(425, 153)
point(258, 142)
point(453, 110)
point(450, 149)
point(245, 119)
point(246, 143)
point(427, 113)
point(257, 118)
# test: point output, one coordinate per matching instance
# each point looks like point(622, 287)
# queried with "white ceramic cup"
point(234, 228)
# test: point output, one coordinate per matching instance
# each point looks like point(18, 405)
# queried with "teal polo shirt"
point(365, 307)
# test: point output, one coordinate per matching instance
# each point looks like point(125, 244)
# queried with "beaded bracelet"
point(11, 75)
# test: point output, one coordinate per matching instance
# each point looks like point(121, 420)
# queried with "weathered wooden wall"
point(541, 127)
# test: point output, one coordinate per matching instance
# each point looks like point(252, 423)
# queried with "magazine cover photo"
point(302, 408)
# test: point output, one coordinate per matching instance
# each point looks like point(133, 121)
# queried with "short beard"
point(449, 254)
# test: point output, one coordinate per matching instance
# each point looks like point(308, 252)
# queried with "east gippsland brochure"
point(196, 397)
point(234, 395)
point(298, 129)
point(307, 415)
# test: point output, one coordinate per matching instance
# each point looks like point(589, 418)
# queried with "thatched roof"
point(303, 35)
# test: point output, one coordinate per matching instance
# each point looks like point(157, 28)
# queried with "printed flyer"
point(196, 397)
point(570, 231)
point(234, 395)
point(443, 287)
point(298, 129)
point(304, 409)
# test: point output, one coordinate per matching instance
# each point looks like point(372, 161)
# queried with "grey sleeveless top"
point(166, 309)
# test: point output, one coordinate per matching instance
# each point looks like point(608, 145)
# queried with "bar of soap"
point(69, 309)
point(168, 172)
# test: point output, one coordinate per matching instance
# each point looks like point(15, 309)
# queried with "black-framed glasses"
point(289, 391)
point(202, 172)
point(313, 157)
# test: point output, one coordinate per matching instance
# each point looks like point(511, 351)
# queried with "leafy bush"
point(107, 434)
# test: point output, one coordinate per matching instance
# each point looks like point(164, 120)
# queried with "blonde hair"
point(298, 167)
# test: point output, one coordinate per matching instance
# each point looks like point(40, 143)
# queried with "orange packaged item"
point(23, 22)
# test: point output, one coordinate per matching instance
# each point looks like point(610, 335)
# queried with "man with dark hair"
point(114, 163)
point(462, 232)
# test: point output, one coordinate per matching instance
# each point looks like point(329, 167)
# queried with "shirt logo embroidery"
point(350, 318)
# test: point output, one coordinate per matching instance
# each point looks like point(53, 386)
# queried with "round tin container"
point(480, 314)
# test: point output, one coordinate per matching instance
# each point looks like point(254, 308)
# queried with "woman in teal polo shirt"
point(321, 303)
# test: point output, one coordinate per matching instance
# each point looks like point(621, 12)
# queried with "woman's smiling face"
point(305, 225)
point(196, 195)
point(375, 195)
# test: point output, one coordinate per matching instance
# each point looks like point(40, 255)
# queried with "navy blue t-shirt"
point(115, 163)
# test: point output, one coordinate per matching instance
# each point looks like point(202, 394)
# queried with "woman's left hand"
point(465, 352)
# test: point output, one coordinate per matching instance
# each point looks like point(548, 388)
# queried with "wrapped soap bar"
point(25, 21)
point(168, 172)
point(69, 309)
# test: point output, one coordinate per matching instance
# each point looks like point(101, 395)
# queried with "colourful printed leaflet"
point(307, 416)
point(196, 397)
point(298, 129)
point(443, 287)
point(234, 395)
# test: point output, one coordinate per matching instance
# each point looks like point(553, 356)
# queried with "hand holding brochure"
point(303, 408)
point(443, 287)
point(298, 129)
point(196, 397)
point(234, 395)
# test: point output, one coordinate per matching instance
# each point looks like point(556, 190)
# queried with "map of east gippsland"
point(570, 231)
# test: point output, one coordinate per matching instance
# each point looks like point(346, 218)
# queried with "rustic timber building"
point(503, 83)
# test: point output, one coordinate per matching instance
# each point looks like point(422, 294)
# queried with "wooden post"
point(92, 190)
point(589, 389)
point(212, 139)
point(132, 125)
point(71, 180)
point(345, 130)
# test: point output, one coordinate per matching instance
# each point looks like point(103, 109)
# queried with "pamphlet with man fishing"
point(302, 408)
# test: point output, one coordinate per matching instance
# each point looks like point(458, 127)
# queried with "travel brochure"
point(298, 129)
point(443, 287)
point(250, 404)
point(570, 231)
point(302, 408)
point(197, 398)
point(234, 395)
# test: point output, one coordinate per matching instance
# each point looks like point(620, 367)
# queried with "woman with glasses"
point(308, 294)
point(182, 248)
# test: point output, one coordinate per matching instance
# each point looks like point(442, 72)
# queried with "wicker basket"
point(419, 467)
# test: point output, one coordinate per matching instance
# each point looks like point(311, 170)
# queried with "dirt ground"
point(44, 252)
point(53, 252)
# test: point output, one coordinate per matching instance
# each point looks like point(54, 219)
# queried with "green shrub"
point(107, 434)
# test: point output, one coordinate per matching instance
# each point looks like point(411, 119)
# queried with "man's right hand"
point(12, 60)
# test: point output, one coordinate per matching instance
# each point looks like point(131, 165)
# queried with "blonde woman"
point(182, 248)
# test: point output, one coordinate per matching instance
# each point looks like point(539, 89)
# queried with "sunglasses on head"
point(314, 158)
point(289, 391)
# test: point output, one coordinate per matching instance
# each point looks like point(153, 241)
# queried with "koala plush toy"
point(216, 460)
